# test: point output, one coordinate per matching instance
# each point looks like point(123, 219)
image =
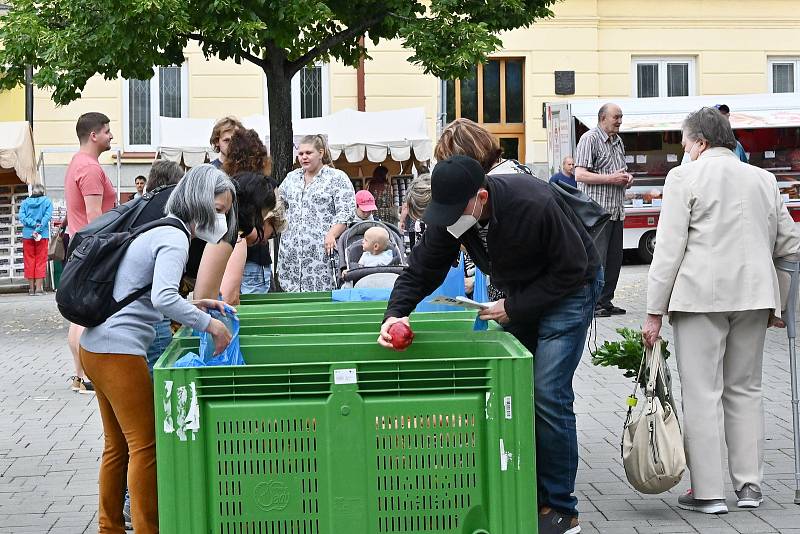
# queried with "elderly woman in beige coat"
point(722, 225)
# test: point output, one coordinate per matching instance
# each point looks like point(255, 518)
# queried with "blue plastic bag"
point(232, 355)
point(360, 294)
point(453, 286)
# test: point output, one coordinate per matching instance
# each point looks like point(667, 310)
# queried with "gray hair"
point(37, 190)
point(709, 125)
point(192, 201)
point(419, 195)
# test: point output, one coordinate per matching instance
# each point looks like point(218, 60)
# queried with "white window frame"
point(778, 60)
point(326, 92)
point(154, 110)
point(662, 62)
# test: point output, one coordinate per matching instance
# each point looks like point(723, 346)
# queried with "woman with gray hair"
point(34, 216)
point(113, 353)
point(722, 224)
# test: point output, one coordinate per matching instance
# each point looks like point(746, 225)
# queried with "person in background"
point(89, 194)
point(140, 182)
point(468, 138)
point(221, 137)
point(380, 187)
point(418, 196)
point(365, 207)
point(376, 248)
point(163, 172)
point(113, 353)
point(601, 173)
point(713, 273)
point(320, 202)
point(249, 270)
point(739, 150)
point(567, 173)
point(34, 215)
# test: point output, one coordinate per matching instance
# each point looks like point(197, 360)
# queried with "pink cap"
point(365, 201)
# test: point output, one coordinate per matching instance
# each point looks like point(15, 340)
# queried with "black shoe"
point(602, 312)
point(553, 522)
point(616, 311)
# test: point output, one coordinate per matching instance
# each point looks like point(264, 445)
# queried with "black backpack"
point(86, 292)
point(118, 219)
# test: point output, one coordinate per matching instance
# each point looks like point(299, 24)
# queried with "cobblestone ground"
point(51, 438)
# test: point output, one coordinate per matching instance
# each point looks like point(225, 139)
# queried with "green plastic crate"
point(341, 324)
point(330, 434)
point(313, 308)
point(285, 298)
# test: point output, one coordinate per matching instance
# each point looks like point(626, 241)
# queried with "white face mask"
point(465, 222)
point(687, 156)
point(213, 235)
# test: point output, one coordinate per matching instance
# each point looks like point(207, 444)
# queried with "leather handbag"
point(652, 443)
point(56, 250)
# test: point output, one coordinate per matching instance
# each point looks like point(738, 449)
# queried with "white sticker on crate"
point(507, 406)
point(344, 376)
point(505, 456)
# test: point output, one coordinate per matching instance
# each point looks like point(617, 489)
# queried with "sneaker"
point(126, 515)
point(749, 497)
point(553, 522)
point(599, 311)
point(615, 310)
point(706, 506)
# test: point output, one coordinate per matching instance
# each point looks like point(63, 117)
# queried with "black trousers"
point(609, 246)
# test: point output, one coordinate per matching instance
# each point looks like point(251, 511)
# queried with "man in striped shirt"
point(602, 174)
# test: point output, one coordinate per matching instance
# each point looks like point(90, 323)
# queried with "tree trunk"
point(279, 99)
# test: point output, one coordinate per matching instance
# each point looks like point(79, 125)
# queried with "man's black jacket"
point(538, 251)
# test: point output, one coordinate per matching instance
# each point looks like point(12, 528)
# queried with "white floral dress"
point(311, 211)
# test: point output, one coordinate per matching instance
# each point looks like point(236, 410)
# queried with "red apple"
point(402, 335)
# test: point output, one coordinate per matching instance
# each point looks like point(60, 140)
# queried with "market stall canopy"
point(667, 114)
point(374, 136)
point(397, 135)
point(16, 151)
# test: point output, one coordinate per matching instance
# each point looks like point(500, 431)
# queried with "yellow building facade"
point(595, 48)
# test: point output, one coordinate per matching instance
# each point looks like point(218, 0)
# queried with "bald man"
point(567, 173)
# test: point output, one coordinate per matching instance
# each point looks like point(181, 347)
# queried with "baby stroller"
point(349, 250)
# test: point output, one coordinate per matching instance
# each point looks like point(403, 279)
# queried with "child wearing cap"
point(365, 207)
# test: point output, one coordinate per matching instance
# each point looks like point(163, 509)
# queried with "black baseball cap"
point(454, 182)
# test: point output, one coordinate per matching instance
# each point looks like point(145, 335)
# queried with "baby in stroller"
point(370, 252)
point(376, 248)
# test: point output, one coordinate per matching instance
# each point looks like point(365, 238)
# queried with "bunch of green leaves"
point(626, 354)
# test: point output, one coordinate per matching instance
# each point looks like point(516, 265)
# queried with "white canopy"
point(667, 114)
point(374, 136)
point(16, 150)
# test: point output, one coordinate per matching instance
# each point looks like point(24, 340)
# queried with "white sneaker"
point(749, 497)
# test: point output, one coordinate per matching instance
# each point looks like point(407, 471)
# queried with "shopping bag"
point(56, 250)
point(453, 286)
point(232, 355)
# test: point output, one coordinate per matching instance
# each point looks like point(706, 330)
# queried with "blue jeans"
point(255, 279)
point(556, 341)
point(160, 342)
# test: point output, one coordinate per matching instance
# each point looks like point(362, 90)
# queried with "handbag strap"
point(654, 354)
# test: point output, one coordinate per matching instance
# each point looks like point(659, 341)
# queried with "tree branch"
point(247, 55)
point(333, 40)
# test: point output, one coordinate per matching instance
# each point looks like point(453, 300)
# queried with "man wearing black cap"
point(537, 252)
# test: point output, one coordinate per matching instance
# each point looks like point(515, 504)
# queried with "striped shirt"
point(601, 154)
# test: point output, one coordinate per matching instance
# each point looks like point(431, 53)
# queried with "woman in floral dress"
point(320, 201)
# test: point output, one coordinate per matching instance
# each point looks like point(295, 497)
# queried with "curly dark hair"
point(255, 193)
point(246, 153)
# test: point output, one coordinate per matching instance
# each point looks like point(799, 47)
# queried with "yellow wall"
point(12, 105)
point(730, 40)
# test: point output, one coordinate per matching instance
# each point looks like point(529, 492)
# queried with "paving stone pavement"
point(51, 439)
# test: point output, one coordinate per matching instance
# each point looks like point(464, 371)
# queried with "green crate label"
point(271, 496)
point(344, 376)
point(507, 406)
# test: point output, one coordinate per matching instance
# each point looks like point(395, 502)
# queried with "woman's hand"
point(330, 242)
point(384, 339)
point(220, 335)
point(651, 329)
point(210, 304)
point(496, 313)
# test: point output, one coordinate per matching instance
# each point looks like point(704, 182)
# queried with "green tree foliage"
point(69, 41)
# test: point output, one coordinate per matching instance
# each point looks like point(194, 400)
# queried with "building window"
point(310, 92)
point(493, 95)
point(654, 77)
point(144, 101)
point(783, 75)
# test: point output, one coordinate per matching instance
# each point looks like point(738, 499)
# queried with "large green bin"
point(313, 308)
point(332, 434)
